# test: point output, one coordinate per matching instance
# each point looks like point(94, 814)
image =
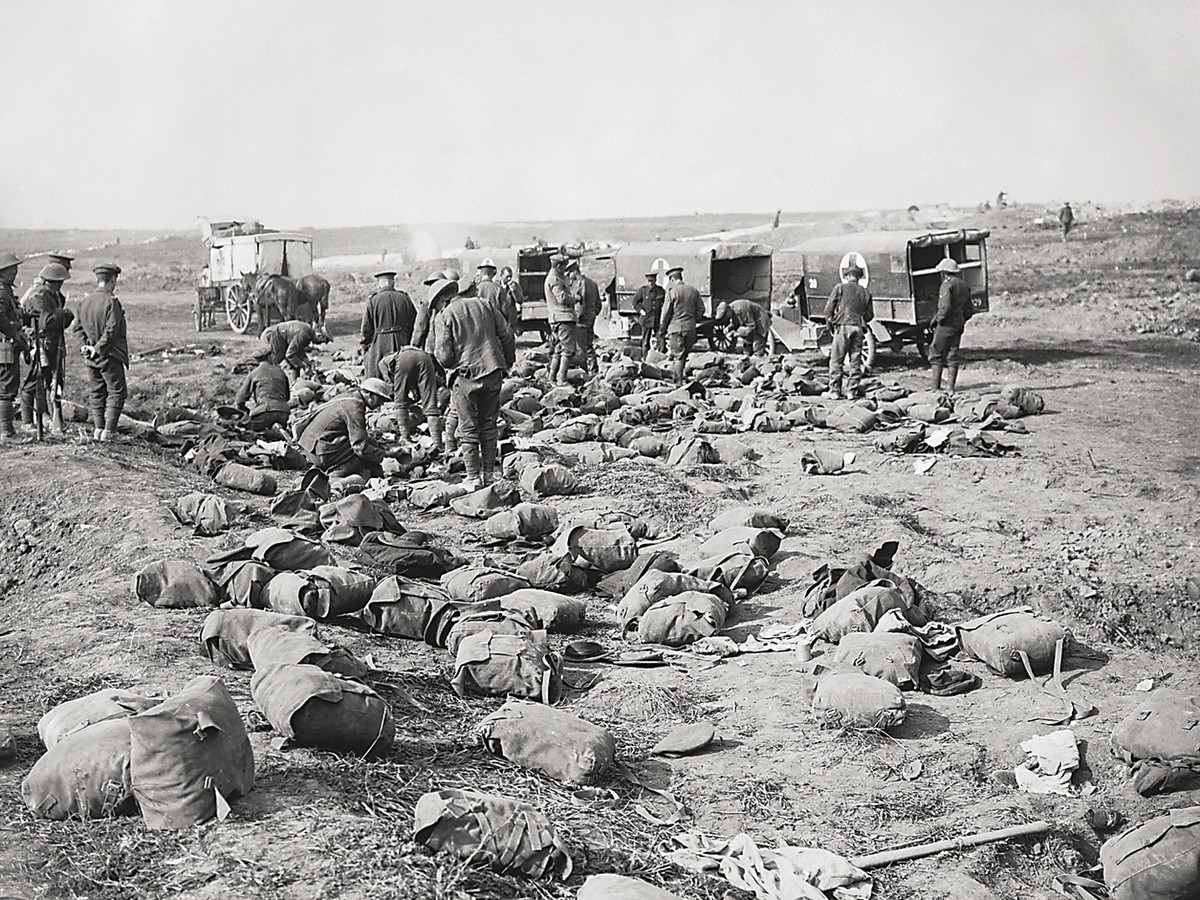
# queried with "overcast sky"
point(134, 113)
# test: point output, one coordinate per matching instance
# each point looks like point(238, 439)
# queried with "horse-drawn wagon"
point(242, 261)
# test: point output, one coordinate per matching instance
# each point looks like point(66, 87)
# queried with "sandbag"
point(760, 541)
point(682, 619)
point(524, 521)
point(473, 584)
point(322, 592)
point(314, 708)
point(851, 700)
point(175, 584)
point(401, 607)
point(85, 775)
point(486, 501)
point(892, 656)
point(186, 752)
point(859, 611)
point(550, 740)
point(74, 715)
point(269, 647)
point(243, 582)
point(243, 478)
point(226, 631)
point(507, 835)
point(558, 613)
point(738, 571)
point(1160, 740)
point(998, 639)
point(691, 452)
point(434, 495)
point(656, 585)
point(287, 552)
point(350, 519)
point(1157, 860)
point(621, 887)
point(411, 554)
point(545, 481)
point(208, 513)
point(747, 517)
point(497, 665)
point(851, 419)
point(553, 571)
point(498, 621)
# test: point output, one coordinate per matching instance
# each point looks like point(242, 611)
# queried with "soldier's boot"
point(56, 418)
point(564, 364)
point(27, 409)
point(6, 421)
point(935, 377)
point(677, 369)
point(473, 482)
point(450, 435)
point(951, 378)
point(435, 432)
point(112, 416)
point(404, 421)
point(487, 462)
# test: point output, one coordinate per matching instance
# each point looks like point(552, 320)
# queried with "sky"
point(140, 114)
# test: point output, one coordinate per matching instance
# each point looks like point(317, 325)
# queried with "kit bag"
point(175, 584)
point(759, 541)
point(553, 571)
point(682, 619)
point(350, 519)
point(287, 552)
point(889, 655)
point(521, 665)
point(747, 517)
point(498, 621)
point(558, 613)
point(190, 755)
point(276, 647)
point(852, 419)
point(550, 740)
point(604, 549)
point(740, 570)
point(1160, 740)
point(486, 501)
point(852, 700)
point(323, 592)
point(209, 514)
point(690, 452)
point(1158, 860)
point(474, 584)
point(656, 585)
point(858, 611)
point(243, 581)
point(101, 706)
point(545, 481)
point(621, 887)
point(226, 631)
point(507, 835)
point(314, 708)
point(999, 639)
point(523, 522)
point(244, 478)
point(401, 607)
point(85, 775)
point(409, 554)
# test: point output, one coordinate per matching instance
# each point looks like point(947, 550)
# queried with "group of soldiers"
point(33, 331)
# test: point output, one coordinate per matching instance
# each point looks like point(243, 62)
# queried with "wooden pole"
point(887, 857)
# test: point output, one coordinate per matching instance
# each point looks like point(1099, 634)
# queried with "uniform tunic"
point(387, 325)
point(847, 313)
point(102, 324)
point(954, 308)
point(12, 343)
point(412, 372)
point(289, 343)
point(753, 323)
point(266, 389)
point(335, 435)
point(475, 342)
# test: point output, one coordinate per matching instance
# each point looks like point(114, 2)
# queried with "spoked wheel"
point(870, 345)
point(237, 308)
point(722, 337)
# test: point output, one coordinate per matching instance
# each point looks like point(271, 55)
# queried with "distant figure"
point(1002, 200)
point(45, 310)
point(1066, 218)
point(682, 311)
point(511, 296)
point(847, 313)
point(561, 309)
point(588, 308)
point(954, 308)
point(13, 345)
point(101, 326)
point(778, 213)
point(470, 244)
point(648, 304)
point(488, 288)
point(913, 210)
point(387, 322)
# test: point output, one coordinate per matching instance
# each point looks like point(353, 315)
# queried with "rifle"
point(35, 374)
point(58, 384)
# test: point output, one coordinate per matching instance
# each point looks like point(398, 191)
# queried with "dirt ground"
point(1094, 522)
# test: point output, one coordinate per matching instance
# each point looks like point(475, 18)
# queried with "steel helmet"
point(9, 259)
point(376, 386)
point(947, 265)
point(54, 272)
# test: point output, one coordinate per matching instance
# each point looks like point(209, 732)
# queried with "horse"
point(307, 301)
point(315, 289)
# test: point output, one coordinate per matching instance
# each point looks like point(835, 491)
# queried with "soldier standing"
point(475, 346)
point(512, 296)
point(13, 344)
point(682, 311)
point(387, 322)
point(560, 309)
point(648, 304)
point(954, 308)
point(847, 313)
point(589, 310)
point(485, 283)
point(106, 349)
point(44, 310)
point(64, 260)
point(1066, 218)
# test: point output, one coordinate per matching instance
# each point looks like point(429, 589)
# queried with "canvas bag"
point(348, 520)
point(498, 621)
point(545, 481)
point(323, 592)
point(175, 584)
point(522, 522)
point(473, 584)
point(407, 554)
point(314, 708)
point(1157, 860)
point(486, 501)
point(287, 552)
point(852, 419)
point(737, 571)
point(853, 700)
point(85, 775)
point(276, 647)
point(748, 517)
point(507, 835)
point(553, 571)
point(604, 549)
point(244, 478)
point(997, 640)
point(656, 585)
point(889, 655)
point(617, 584)
point(242, 582)
point(187, 752)
point(74, 715)
point(550, 740)
point(209, 514)
point(759, 541)
point(1160, 739)
point(226, 632)
point(401, 607)
point(858, 611)
point(558, 613)
point(621, 887)
point(682, 619)
point(497, 665)
point(691, 452)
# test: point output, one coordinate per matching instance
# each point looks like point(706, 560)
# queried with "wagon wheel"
point(238, 308)
point(870, 345)
point(722, 337)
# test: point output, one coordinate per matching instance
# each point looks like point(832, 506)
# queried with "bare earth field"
point(1095, 522)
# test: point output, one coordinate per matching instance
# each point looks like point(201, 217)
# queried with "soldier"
point(64, 260)
point(512, 296)
point(44, 310)
point(751, 321)
point(387, 322)
point(476, 347)
point(413, 373)
point(589, 310)
point(441, 292)
point(485, 283)
point(847, 313)
point(13, 344)
point(954, 309)
point(648, 303)
point(682, 310)
point(1066, 218)
point(335, 437)
point(106, 349)
point(265, 393)
point(560, 309)
point(444, 275)
point(289, 342)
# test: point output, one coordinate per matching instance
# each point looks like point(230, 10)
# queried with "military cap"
point(486, 264)
point(63, 259)
point(947, 265)
point(451, 274)
point(678, 269)
point(651, 274)
point(432, 280)
point(854, 270)
point(54, 272)
point(376, 386)
point(8, 260)
point(442, 286)
point(386, 273)
point(558, 258)
point(112, 268)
